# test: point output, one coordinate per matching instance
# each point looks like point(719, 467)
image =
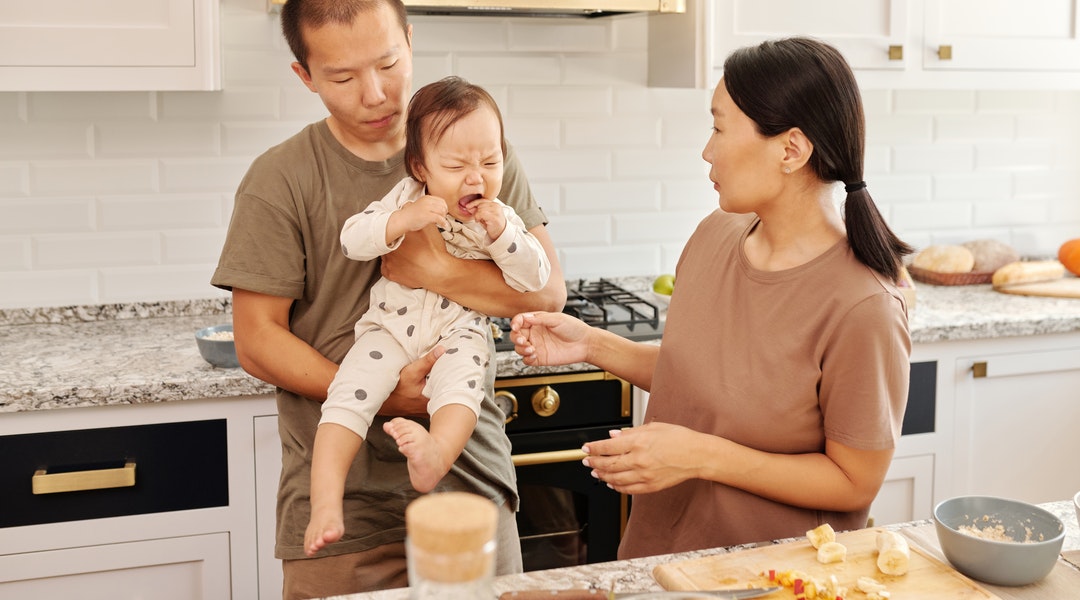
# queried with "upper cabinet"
point(110, 45)
point(893, 44)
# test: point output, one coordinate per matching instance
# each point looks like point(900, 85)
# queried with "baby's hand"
point(490, 215)
point(425, 210)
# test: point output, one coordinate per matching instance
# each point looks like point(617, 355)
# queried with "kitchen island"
point(636, 574)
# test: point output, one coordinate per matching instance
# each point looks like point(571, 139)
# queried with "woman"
point(778, 391)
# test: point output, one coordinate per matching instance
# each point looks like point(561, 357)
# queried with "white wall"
point(116, 197)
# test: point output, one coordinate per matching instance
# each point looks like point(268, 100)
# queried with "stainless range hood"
point(543, 8)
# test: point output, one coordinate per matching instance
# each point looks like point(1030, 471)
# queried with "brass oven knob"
point(545, 401)
point(508, 404)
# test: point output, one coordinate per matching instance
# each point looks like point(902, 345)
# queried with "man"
point(296, 296)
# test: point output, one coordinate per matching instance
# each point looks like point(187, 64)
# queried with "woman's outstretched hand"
point(546, 338)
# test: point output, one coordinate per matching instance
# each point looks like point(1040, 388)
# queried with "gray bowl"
point(220, 353)
point(999, 562)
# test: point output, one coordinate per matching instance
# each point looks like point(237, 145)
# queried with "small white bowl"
point(662, 298)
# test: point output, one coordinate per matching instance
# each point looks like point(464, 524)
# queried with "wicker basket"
point(935, 278)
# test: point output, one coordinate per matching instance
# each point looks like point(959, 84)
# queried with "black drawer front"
point(179, 466)
point(922, 399)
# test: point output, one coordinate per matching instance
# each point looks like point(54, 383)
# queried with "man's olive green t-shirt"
point(283, 240)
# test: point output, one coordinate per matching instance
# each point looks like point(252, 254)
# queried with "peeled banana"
point(820, 535)
point(831, 552)
point(893, 553)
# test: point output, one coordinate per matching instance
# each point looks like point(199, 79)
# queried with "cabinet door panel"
point(862, 30)
point(907, 494)
point(1003, 35)
point(1017, 426)
point(267, 474)
point(186, 568)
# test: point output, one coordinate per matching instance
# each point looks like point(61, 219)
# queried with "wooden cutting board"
point(927, 577)
point(1068, 287)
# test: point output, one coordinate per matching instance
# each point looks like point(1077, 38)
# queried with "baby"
point(454, 158)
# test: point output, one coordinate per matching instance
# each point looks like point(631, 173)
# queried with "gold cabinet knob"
point(896, 52)
point(508, 404)
point(545, 401)
point(944, 52)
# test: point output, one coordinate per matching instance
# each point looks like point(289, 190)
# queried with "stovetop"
point(602, 303)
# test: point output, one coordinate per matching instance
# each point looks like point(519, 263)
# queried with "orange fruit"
point(1069, 255)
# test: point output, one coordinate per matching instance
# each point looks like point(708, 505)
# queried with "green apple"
point(664, 284)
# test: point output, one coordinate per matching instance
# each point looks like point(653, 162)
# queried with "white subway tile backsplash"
point(611, 197)
point(159, 212)
point(195, 246)
point(123, 140)
point(159, 282)
point(108, 179)
point(510, 69)
point(559, 35)
point(560, 101)
point(93, 177)
point(14, 253)
point(973, 186)
point(209, 175)
point(933, 158)
point(95, 250)
point(974, 128)
point(611, 262)
point(612, 133)
point(29, 289)
point(1014, 101)
point(14, 179)
point(933, 101)
point(580, 230)
point(25, 141)
point(90, 106)
point(237, 103)
point(46, 215)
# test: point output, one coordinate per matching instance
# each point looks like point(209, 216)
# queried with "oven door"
point(567, 517)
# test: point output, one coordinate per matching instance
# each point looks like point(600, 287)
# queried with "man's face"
point(363, 74)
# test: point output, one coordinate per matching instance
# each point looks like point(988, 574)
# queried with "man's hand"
point(407, 399)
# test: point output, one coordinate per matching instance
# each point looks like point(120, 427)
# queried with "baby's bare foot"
point(426, 463)
point(324, 528)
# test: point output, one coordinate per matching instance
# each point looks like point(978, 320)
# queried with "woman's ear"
point(797, 149)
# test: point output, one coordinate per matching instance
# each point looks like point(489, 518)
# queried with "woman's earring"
point(787, 170)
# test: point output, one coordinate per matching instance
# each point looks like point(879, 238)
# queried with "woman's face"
point(746, 166)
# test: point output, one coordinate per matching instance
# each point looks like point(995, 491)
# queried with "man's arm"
point(422, 261)
point(268, 350)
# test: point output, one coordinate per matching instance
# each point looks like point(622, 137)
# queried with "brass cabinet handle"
point(544, 458)
point(944, 52)
point(78, 481)
point(896, 52)
point(978, 370)
point(545, 401)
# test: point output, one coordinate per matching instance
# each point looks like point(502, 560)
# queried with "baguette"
point(1019, 272)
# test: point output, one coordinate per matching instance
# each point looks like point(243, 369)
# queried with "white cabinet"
point(890, 44)
point(267, 475)
point(73, 45)
point(1017, 414)
point(186, 528)
point(908, 491)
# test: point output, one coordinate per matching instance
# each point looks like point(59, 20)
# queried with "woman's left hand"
point(643, 459)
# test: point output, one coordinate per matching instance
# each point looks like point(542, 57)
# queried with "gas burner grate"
point(602, 303)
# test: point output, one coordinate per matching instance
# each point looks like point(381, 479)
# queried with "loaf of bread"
point(990, 255)
point(1028, 272)
point(945, 259)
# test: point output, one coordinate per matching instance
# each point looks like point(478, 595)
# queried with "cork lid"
point(451, 522)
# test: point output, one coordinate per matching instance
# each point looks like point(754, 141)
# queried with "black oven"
point(566, 517)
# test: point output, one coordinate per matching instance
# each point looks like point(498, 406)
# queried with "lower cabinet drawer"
point(72, 475)
point(183, 568)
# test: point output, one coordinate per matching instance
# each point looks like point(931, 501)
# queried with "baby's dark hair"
point(437, 106)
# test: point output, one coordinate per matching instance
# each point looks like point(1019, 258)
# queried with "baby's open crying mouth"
point(464, 201)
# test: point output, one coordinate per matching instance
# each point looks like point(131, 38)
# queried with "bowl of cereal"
point(997, 540)
point(216, 346)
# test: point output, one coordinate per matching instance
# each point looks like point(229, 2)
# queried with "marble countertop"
point(636, 574)
point(145, 352)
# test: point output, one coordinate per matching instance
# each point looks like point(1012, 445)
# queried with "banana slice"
point(820, 535)
point(893, 553)
point(831, 552)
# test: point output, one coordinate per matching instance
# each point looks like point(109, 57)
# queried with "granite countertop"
point(145, 352)
point(636, 574)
